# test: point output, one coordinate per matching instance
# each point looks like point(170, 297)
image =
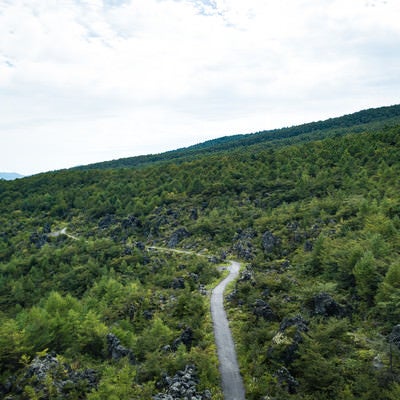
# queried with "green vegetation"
point(315, 222)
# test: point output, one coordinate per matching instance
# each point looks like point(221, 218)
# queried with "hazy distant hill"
point(9, 176)
point(360, 121)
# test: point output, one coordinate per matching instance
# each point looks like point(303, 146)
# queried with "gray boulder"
point(323, 304)
point(178, 236)
point(116, 351)
point(269, 241)
point(181, 386)
point(261, 309)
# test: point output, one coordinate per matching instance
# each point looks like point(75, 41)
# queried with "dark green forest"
point(88, 310)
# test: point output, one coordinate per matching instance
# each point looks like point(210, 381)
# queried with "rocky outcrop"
point(261, 309)
point(116, 351)
point(131, 221)
point(243, 245)
point(324, 305)
point(269, 242)
point(286, 342)
point(44, 369)
point(38, 239)
point(247, 276)
point(286, 380)
point(107, 221)
point(177, 236)
point(182, 386)
point(185, 338)
point(178, 283)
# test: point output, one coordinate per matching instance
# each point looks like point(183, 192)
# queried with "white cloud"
point(130, 77)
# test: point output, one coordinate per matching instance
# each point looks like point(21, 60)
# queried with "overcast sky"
point(92, 80)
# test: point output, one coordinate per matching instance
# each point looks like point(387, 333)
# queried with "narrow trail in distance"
point(232, 383)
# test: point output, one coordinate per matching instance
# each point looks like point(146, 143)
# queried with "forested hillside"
point(88, 310)
point(371, 119)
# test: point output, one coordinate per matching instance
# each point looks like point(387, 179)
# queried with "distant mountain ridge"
point(351, 123)
point(9, 176)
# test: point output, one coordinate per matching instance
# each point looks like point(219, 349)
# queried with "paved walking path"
point(232, 384)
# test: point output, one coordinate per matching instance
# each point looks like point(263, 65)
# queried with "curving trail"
point(232, 384)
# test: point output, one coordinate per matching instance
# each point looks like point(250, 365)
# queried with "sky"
point(83, 81)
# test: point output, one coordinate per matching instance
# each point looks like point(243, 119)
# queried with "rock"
point(377, 363)
point(308, 246)
point(178, 283)
point(116, 351)
point(147, 314)
point(298, 321)
point(286, 380)
point(38, 239)
point(232, 296)
point(194, 214)
point(269, 241)
point(177, 236)
point(182, 386)
point(323, 304)
point(243, 244)
point(140, 245)
point(63, 378)
point(286, 341)
point(247, 276)
point(131, 221)
point(46, 228)
point(107, 221)
point(185, 338)
point(203, 290)
point(263, 310)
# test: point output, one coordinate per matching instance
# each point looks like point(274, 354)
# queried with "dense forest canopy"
point(315, 313)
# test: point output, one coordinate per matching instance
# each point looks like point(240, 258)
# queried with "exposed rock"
point(177, 236)
point(178, 283)
point(182, 386)
point(286, 380)
point(194, 276)
point(269, 241)
point(377, 363)
point(140, 245)
point(308, 246)
point(298, 321)
point(286, 341)
point(263, 310)
point(203, 290)
point(232, 295)
point(246, 276)
point(46, 228)
point(38, 239)
point(194, 214)
point(323, 304)
point(48, 368)
point(243, 244)
point(293, 225)
point(116, 351)
point(131, 221)
point(147, 314)
point(107, 221)
point(185, 338)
